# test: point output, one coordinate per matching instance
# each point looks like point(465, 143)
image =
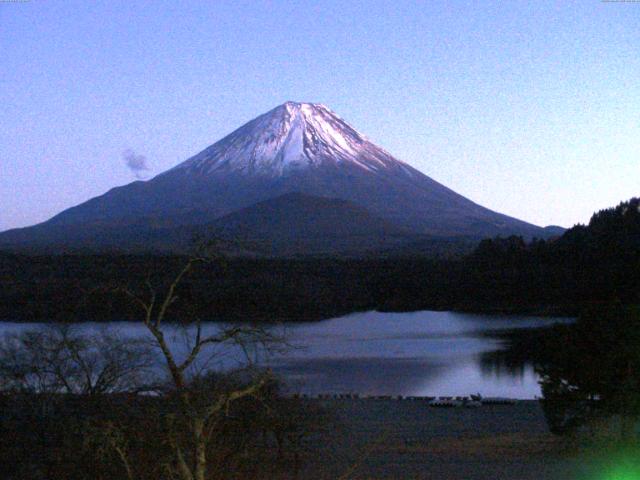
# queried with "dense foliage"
point(591, 370)
point(591, 264)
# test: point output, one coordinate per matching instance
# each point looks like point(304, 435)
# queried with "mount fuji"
point(295, 163)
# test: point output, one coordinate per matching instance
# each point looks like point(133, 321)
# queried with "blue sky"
point(529, 108)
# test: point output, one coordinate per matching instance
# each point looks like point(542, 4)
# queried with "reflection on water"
point(363, 375)
point(498, 364)
point(415, 353)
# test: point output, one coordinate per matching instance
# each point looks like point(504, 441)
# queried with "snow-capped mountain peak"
point(290, 137)
point(293, 153)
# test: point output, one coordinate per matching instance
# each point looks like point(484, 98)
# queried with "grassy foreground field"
point(404, 439)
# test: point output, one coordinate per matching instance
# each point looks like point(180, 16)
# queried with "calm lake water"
point(417, 353)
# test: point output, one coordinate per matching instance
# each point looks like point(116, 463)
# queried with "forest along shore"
point(588, 265)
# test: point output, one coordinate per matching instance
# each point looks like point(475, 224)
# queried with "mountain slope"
point(296, 147)
point(291, 224)
point(301, 224)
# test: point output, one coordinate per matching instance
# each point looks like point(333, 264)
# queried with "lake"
point(373, 353)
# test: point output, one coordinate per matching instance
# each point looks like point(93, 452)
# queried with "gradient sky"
point(531, 108)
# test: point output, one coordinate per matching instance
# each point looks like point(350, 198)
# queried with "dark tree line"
point(588, 265)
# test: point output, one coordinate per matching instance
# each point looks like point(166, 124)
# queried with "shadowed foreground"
point(336, 439)
point(410, 440)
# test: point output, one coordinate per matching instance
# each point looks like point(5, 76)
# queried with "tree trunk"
point(200, 449)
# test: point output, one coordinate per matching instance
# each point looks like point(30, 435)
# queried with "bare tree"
point(189, 412)
point(60, 358)
point(53, 379)
point(201, 403)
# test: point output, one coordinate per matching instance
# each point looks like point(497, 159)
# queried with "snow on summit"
point(301, 148)
point(290, 137)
